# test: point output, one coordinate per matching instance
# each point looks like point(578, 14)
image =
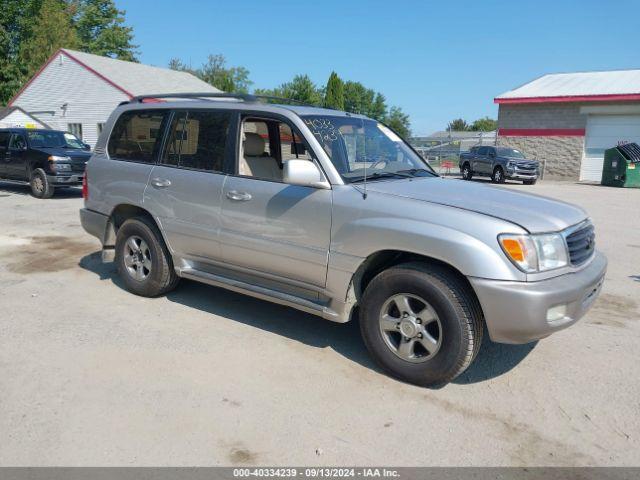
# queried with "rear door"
point(186, 185)
point(480, 160)
point(5, 136)
point(17, 157)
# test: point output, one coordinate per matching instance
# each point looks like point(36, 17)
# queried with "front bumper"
point(516, 312)
point(65, 180)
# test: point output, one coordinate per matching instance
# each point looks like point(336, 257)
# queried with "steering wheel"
point(377, 163)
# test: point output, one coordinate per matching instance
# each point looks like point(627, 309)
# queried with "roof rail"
point(246, 97)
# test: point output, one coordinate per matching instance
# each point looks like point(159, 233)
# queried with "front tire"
point(421, 323)
point(143, 260)
point(498, 175)
point(40, 186)
point(466, 172)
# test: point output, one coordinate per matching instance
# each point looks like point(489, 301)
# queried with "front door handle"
point(238, 196)
point(160, 182)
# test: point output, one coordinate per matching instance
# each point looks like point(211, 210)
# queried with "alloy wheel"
point(137, 258)
point(410, 327)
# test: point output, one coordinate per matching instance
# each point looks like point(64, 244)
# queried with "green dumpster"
point(621, 166)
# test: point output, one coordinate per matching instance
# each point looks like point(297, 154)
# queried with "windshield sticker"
point(390, 135)
point(322, 128)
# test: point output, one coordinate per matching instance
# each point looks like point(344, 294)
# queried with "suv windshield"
point(509, 152)
point(54, 140)
point(360, 145)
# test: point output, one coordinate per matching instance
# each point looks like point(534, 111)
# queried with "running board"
point(260, 292)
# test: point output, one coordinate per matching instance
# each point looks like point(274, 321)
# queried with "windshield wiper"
point(414, 171)
point(376, 175)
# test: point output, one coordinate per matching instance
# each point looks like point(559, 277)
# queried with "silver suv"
point(333, 214)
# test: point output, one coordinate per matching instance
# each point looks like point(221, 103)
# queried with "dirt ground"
point(92, 375)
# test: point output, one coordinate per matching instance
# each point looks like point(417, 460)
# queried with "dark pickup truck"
point(499, 163)
point(45, 159)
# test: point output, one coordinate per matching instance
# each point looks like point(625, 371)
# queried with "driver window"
point(266, 145)
point(17, 142)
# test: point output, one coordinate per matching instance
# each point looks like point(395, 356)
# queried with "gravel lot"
point(92, 375)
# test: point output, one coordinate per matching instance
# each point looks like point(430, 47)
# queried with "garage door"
point(603, 132)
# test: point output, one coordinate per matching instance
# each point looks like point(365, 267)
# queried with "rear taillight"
point(85, 187)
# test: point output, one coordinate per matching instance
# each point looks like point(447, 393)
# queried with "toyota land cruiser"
point(323, 211)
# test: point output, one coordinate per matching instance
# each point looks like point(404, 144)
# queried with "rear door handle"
point(238, 196)
point(160, 182)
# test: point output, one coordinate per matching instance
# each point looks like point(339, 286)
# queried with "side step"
point(260, 292)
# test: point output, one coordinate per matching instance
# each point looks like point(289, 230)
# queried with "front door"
point(4, 152)
point(268, 226)
point(17, 157)
point(185, 187)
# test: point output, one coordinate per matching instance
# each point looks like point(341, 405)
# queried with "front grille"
point(581, 244)
point(77, 167)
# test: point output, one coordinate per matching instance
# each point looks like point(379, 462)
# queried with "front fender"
point(470, 255)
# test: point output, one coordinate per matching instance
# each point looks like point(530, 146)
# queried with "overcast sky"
point(436, 60)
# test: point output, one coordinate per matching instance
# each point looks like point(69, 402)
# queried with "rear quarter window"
point(137, 135)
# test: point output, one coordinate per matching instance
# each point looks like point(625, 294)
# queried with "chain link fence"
point(442, 149)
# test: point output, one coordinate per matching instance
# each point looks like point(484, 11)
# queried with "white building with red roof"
point(77, 91)
point(568, 120)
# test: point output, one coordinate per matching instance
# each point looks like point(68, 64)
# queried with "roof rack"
point(209, 95)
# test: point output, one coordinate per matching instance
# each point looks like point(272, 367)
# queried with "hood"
point(532, 212)
point(74, 154)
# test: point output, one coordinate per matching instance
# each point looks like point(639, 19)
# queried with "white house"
point(77, 91)
point(12, 117)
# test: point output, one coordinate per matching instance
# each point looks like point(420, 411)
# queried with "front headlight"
point(535, 253)
point(56, 158)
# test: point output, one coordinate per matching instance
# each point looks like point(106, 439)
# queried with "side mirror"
point(304, 173)
point(86, 146)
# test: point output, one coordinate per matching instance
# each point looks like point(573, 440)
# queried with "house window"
point(76, 129)
point(100, 127)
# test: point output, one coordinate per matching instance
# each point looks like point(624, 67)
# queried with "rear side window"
point(198, 140)
point(137, 136)
point(4, 140)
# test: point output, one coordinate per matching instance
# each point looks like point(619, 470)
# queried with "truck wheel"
point(421, 323)
point(40, 186)
point(143, 260)
point(466, 172)
point(498, 175)
point(529, 182)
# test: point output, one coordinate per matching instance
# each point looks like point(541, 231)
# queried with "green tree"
point(484, 124)
point(458, 125)
point(52, 29)
point(399, 122)
point(378, 109)
point(334, 96)
point(355, 97)
point(101, 29)
point(301, 89)
point(215, 72)
point(16, 21)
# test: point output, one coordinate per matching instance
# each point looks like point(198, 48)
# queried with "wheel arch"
point(122, 213)
point(384, 259)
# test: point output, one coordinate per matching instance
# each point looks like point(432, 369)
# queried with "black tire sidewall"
point(152, 285)
point(433, 371)
point(47, 191)
point(493, 176)
point(468, 175)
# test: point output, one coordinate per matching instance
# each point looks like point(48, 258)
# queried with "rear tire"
point(40, 186)
point(441, 349)
point(143, 260)
point(466, 172)
point(498, 175)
